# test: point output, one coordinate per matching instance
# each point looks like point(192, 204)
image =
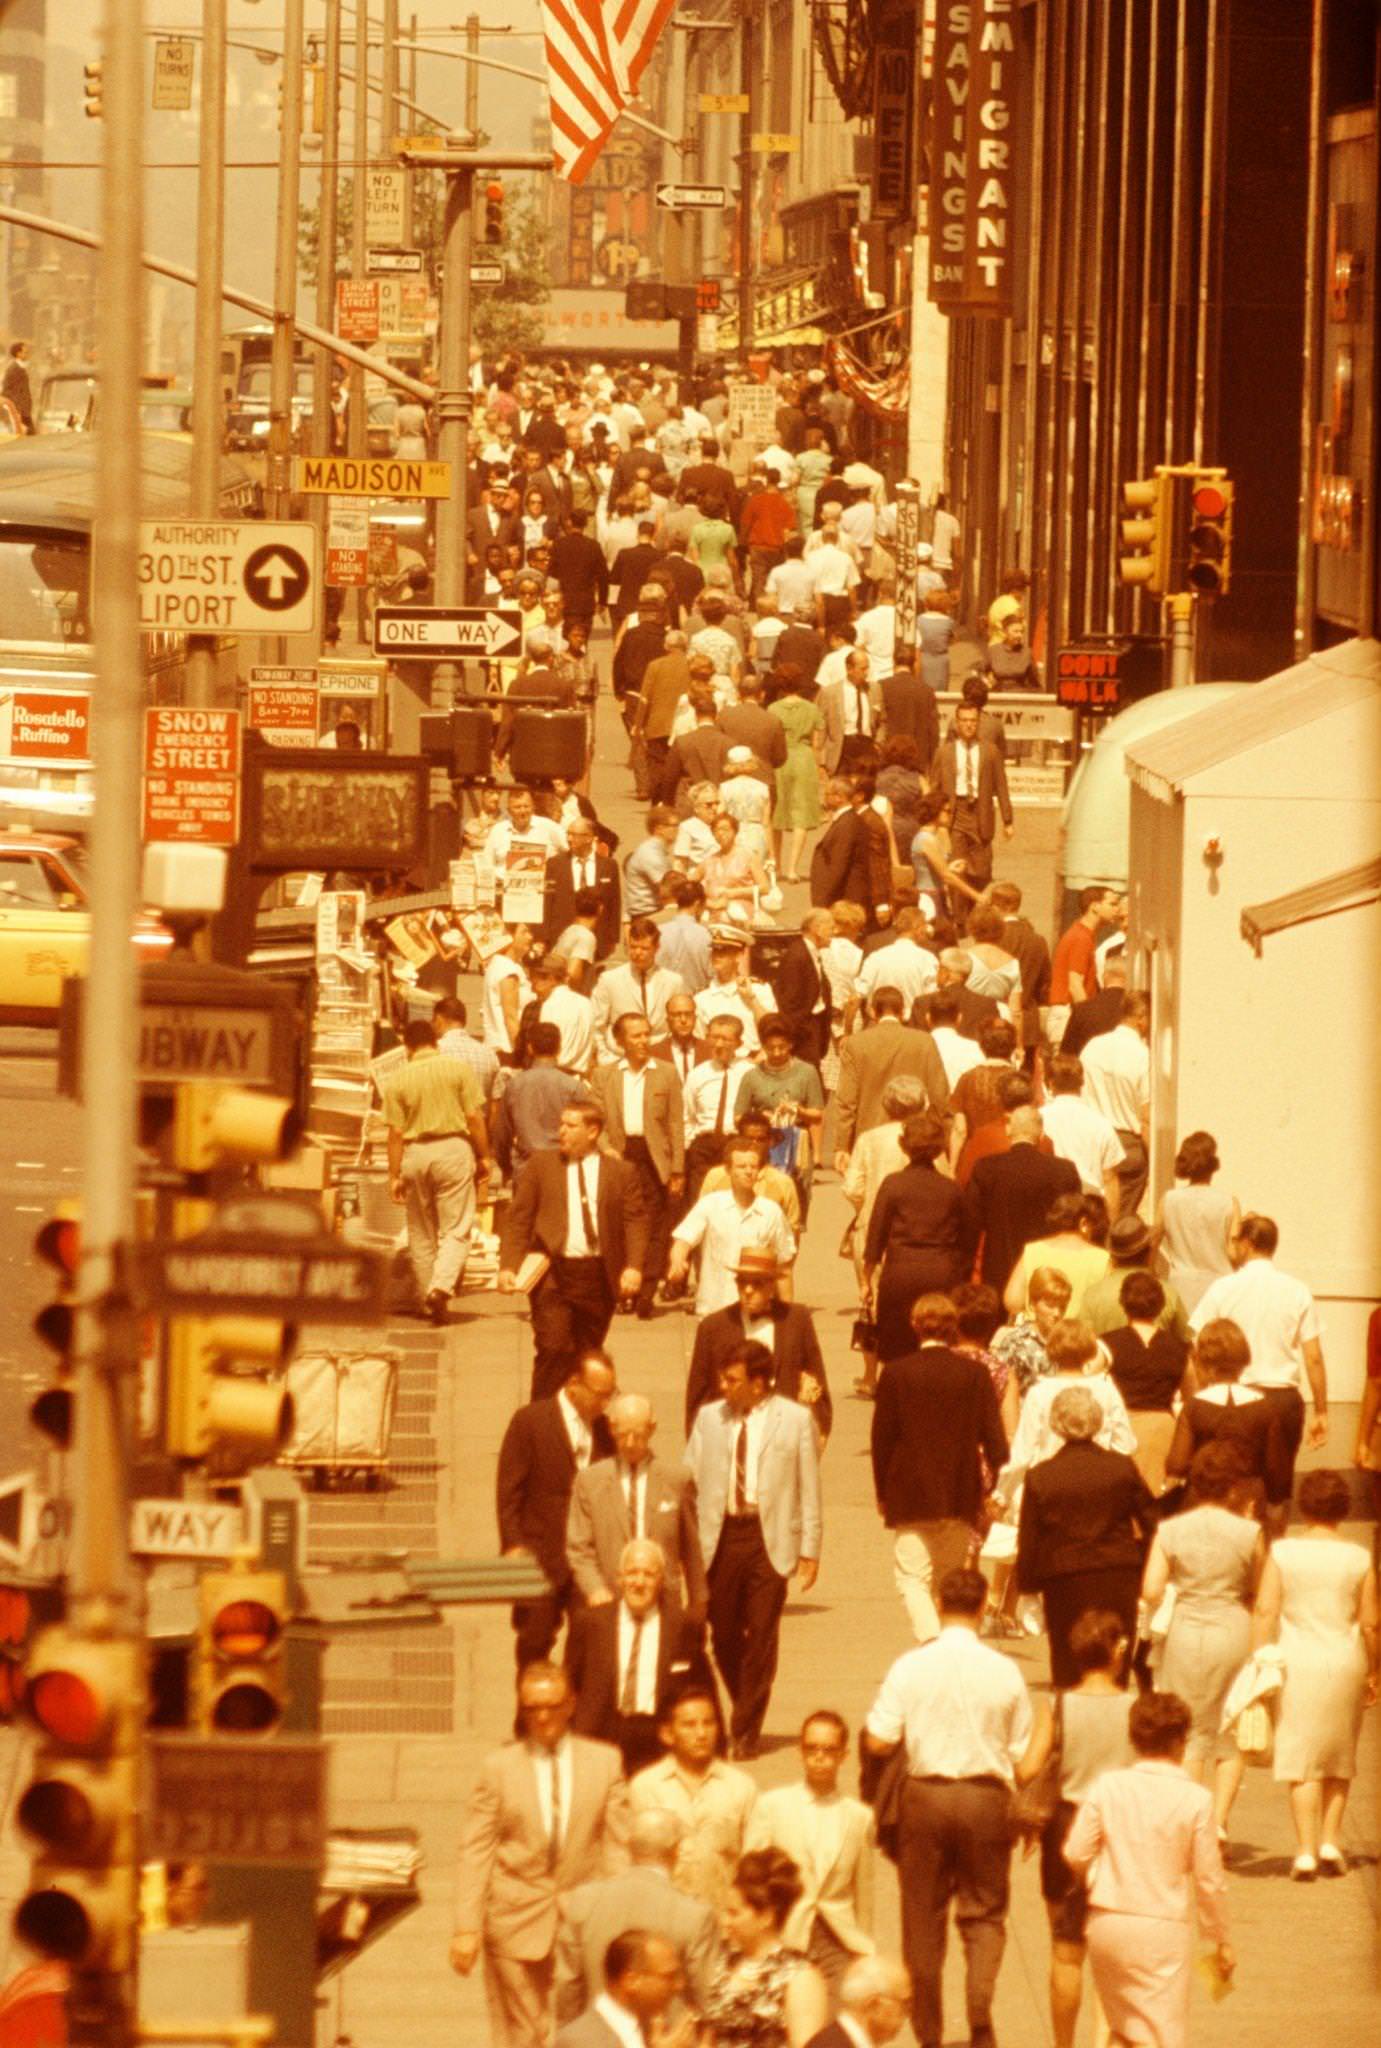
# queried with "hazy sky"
point(508, 107)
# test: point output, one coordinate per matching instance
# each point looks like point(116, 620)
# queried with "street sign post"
point(347, 543)
point(370, 476)
point(486, 270)
point(174, 66)
point(441, 631)
point(393, 262)
point(227, 576)
point(692, 198)
point(186, 1528)
point(233, 1801)
point(385, 203)
point(191, 774)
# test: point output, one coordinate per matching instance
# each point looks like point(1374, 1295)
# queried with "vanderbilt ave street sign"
point(313, 1280)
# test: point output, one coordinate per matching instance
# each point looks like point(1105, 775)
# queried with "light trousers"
point(922, 1554)
point(439, 1196)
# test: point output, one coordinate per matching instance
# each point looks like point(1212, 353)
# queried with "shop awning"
point(1351, 889)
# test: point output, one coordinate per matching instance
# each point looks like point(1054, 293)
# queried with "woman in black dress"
point(918, 1235)
point(1244, 1415)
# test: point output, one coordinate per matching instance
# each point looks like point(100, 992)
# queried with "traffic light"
point(493, 211)
point(1151, 500)
point(94, 89)
point(86, 1699)
point(1210, 536)
point(238, 1688)
point(215, 1126)
point(217, 1403)
point(645, 298)
point(58, 1244)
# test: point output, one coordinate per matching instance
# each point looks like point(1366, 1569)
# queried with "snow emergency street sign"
point(228, 576)
point(191, 774)
point(429, 631)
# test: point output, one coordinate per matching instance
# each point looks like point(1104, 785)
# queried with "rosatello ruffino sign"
point(971, 168)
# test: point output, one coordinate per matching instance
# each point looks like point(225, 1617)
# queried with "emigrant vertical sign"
point(971, 170)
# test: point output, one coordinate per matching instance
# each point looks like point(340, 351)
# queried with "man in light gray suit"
point(853, 715)
point(642, 1975)
point(643, 1896)
point(634, 1494)
point(755, 1460)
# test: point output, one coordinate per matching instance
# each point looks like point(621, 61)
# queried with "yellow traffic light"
point(94, 89)
point(86, 1698)
point(1210, 536)
point(1151, 501)
point(239, 1682)
point(213, 1404)
point(215, 1126)
point(58, 1244)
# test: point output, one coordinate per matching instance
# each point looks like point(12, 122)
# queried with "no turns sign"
point(227, 576)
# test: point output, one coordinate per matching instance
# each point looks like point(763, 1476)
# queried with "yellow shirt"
point(713, 1811)
point(778, 1187)
point(433, 1097)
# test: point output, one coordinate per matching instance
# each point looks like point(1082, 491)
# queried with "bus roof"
point(50, 480)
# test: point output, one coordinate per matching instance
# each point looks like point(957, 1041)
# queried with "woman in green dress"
point(813, 465)
point(712, 539)
point(798, 779)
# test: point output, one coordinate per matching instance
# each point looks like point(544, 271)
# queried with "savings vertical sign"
point(973, 98)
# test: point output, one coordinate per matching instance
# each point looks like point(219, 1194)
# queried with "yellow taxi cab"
point(45, 924)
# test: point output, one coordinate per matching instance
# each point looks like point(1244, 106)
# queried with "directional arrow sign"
point(432, 632)
point(227, 576)
point(706, 198)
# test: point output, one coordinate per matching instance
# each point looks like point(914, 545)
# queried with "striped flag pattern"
point(596, 53)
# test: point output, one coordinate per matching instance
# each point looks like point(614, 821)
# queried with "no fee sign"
point(227, 576)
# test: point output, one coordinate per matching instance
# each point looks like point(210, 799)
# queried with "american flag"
point(596, 53)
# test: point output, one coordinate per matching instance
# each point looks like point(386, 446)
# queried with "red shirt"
point(1073, 955)
point(768, 517)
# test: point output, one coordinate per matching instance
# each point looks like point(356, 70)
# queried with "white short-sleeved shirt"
point(957, 1053)
point(723, 1230)
point(1117, 1076)
point(903, 965)
point(577, 942)
point(574, 1017)
point(961, 1708)
point(1275, 1313)
point(1083, 1135)
point(723, 999)
point(832, 572)
point(875, 631)
point(543, 832)
point(503, 967)
point(695, 841)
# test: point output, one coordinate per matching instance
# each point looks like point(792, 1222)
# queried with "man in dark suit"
point(973, 1012)
point(910, 707)
point(876, 1994)
point(545, 1445)
point(935, 1413)
point(839, 864)
point(802, 987)
point(1097, 1013)
point(1032, 954)
point(629, 1657)
point(801, 646)
point(642, 1975)
point(578, 564)
point(581, 867)
point(872, 1057)
point(639, 646)
point(584, 1215)
point(709, 478)
point(644, 1124)
point(634, 1494)
point(786, 1327)
point(683, 1048)
point(1086, 1519)
point(630, 570)
point(1009, 1195)
point(699, 755)
point(970, 774)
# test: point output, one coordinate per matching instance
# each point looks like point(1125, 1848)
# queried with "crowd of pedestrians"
point(1086, 1406)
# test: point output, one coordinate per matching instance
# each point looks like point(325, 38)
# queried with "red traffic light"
point(68, 1708)
point(245, 1628)
point(1209, 502)
point(58, 1241)
point(493, 191)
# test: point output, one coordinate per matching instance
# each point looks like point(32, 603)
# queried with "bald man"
point(634, 1494)
point(644, 1896)
point(630, 1657)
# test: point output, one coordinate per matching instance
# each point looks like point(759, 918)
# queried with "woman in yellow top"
point(1068, 1248)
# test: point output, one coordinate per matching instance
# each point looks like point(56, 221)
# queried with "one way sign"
point(434, 632)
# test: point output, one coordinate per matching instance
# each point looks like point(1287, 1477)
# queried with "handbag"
point(1033, 1804)
point(1255, 1732)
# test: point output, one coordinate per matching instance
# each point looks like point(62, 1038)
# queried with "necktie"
point(628, 1697)
point(554, 1839)
point(633, 1530)
point(587, 1214)
point(722, 1112)
point(642, 993)
point(973, 771)
point(741, 1470)
point(865, 713)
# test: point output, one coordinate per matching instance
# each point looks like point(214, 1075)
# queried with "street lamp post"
point(281, 377)
point(328, 214)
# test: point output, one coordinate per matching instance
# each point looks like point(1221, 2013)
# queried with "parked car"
point(45, 926)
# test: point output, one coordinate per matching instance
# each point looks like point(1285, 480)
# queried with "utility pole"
point(472, 123)
point(328, 219)
point(208, 412)
point(453, 408)
point(358, 436)
point(102, 2006)
point(388, 82)
point(745, 181)
point(281, 378)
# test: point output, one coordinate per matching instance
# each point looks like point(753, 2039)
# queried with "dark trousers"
point(572, 1308)
point(1074, 1593)
point(1288, 1403)
point(701, 1154)
point(954, 1843)
point(1132, 1173)
point(746, 1601)
point(658, 1205)
point(537, 1624)
point(966, 846)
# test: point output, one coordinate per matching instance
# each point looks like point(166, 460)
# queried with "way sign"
point(227, 576)
point(186, 1528)
point(369, 476)
point(487, 270)
point(705, 198)
point(236, 1801)
point(431, 630)
point(392, 262)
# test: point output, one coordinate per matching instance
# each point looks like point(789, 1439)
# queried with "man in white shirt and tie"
point(628, 1658)
point(709, 1097)
point(964, 1715)
point(852, 711)
point(634, 1494)
point(969, 771)
point(639, 985)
